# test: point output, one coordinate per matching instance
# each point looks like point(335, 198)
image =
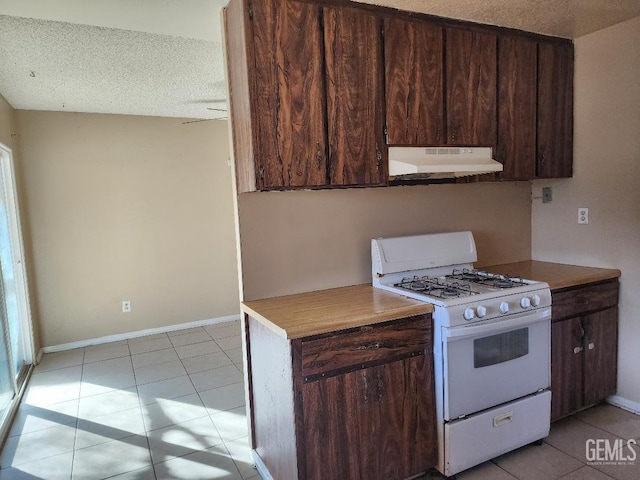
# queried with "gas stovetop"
point(463, 282)
point(437, 269)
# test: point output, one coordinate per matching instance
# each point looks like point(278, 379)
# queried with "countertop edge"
point(384, 307)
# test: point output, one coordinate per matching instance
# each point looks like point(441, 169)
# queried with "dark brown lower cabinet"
point(584, 346)
point(381, 410)
point(355, 404)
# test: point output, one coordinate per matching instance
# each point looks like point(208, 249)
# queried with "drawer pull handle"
point(373, 346)
point(577, 349)
point(502, 419)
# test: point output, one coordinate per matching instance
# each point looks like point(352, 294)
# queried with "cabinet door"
point(517, 63)
point(355, 97)
point(567, 360)
point(471, 87)
point(413, 82)
point(555, 110)
point(600, 355)
point(376, 423)
point(286, 78)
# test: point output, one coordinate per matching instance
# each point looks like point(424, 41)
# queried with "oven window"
point(500, 348)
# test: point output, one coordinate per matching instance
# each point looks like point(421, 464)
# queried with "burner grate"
point(488, 279)
point(436, 287)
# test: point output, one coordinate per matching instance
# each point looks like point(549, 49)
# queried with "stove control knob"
point(481, 311)
point(469, 314)
point(504, 307)
point(535, 300)
point(525, 302)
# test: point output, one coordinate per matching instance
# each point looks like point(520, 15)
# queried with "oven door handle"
point(498, 325)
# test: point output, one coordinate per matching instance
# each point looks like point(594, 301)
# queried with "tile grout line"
point(84, 363)
point(224, 443)
point(141, 406)
point(75, 436)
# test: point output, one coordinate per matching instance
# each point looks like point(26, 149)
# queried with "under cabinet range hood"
point(440, 162)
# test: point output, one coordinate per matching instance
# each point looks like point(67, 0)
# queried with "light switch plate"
point(547, 194)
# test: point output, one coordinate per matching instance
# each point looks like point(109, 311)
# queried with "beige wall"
point(127, 208)
point(309, 240)
point(606, 180)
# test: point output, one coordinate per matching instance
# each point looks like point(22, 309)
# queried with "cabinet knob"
point(577, 349)
point(591, 346)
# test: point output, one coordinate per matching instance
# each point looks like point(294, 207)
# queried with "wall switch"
point(583, 216)
point(126, 306)
point(547, 194)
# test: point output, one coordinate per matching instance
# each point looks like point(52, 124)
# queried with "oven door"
point(488, 364)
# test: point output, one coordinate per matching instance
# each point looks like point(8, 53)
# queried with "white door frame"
point(17, 248)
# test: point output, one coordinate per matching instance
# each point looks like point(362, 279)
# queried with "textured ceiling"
point(62, 66)
point(164, 57)
point(560, 18)
point(133, 57)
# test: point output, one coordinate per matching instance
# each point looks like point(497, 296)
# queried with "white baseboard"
point(138, 333)
point(631, 406)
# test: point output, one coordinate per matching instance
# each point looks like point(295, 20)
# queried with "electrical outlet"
point(583, 216)
point(547, 194)
point(126, 306)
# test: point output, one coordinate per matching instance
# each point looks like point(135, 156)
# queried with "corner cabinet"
point(555, 111)
point(305, 88)
point(355, 404)
point(584, 345)
point(535, 108)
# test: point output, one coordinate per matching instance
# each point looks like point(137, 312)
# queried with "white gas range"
point(492, 344)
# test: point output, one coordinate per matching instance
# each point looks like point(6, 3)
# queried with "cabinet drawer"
point(365, 346)
point(582, 300)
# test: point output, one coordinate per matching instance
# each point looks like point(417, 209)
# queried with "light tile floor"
point(171, 406)
point(166, 406)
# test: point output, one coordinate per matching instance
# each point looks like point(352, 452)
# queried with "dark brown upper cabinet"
point(555, 110)
point(306, 95)
point(535, 108)
point(470, 92)
point(313, 86)
point(355, 97)
point(516, 148)
point(414, 82)
point(285, 110)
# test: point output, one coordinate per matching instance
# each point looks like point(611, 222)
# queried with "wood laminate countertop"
point(324, 311)
point(557, 275)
